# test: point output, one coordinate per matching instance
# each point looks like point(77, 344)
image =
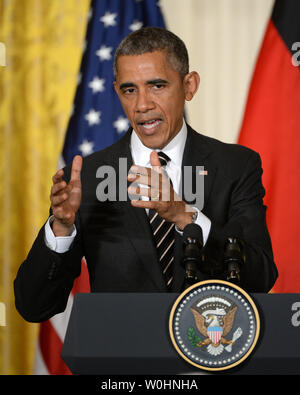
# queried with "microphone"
point(233, 254)
point(192, 247)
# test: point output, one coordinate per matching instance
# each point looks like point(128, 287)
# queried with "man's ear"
point(116, 87)
point(191, 83)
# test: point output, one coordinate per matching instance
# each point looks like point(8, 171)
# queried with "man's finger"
point(58, 176)
point(151, 178)
point(144, 180)
point(145, 204)
point(56, 188)
point(76, 168)
point(146, 192)
point(59, 213)
point(140, 170)
point(57, 200)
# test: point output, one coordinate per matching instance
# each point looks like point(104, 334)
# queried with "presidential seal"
point(214, 325)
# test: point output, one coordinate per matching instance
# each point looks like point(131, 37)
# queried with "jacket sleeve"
point(45, 279)
point(247, 219)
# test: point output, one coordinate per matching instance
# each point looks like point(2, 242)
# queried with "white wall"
point(223, 38)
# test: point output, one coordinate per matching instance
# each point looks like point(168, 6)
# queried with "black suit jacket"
point(116, 238)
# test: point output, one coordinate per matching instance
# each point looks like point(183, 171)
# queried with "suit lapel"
point(197, 157)
point(136, 222)
point(197, 153)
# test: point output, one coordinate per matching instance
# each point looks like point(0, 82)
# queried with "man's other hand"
point(66, 198)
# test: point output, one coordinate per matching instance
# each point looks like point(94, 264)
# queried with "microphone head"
point(233, 230)
point(233, 237)
point(193, 232)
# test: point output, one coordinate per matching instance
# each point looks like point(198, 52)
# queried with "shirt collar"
point(141, 154)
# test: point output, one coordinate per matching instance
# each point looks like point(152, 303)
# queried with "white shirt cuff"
point(58, 244)
point(204, 222)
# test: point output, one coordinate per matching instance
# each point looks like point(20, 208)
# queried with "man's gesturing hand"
point(65, 198)
point(158, 188)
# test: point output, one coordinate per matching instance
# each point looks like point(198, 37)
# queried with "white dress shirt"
point(141, 156)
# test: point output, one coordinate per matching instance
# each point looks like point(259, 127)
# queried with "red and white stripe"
point(215, 334)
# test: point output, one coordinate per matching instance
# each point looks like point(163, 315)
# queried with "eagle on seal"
point(214, 325)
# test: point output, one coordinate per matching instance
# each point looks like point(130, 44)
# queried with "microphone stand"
point(233, 259)
point(191, 260)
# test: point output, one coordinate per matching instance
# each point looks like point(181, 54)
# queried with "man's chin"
point(152, 142)
point(151, 139)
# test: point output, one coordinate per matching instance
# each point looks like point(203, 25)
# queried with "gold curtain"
point(43, 41)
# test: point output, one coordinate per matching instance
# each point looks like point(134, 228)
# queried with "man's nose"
point(144, 102)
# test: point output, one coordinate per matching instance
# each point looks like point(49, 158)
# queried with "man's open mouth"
point(151, 123)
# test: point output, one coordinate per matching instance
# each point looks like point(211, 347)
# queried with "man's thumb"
point(154, 160)
point(76, 168)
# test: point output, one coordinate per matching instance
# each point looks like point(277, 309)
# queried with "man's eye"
point(128, 91)
point(158, 86)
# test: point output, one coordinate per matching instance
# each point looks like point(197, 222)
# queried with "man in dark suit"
point(137, 245)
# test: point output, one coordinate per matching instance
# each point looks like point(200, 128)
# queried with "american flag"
point(97, 121)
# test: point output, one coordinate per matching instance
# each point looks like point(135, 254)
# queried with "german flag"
point(271, 126)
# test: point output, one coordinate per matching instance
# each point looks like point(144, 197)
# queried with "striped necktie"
point(164, 236)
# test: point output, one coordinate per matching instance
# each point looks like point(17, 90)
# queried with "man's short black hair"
point(150, 39)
